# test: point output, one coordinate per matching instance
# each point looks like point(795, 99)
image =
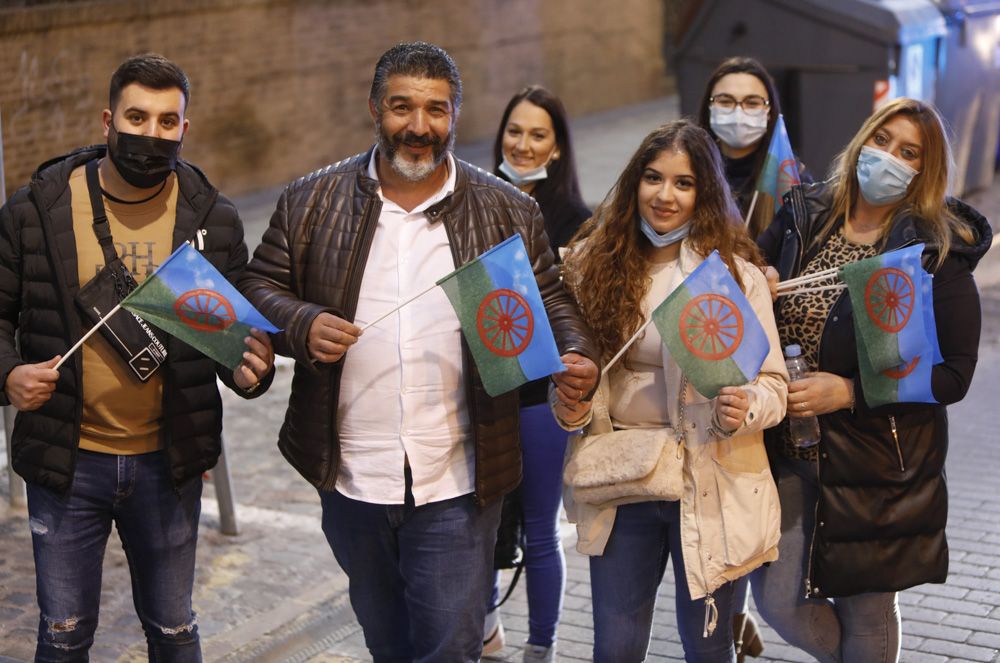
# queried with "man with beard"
point(96, 441)
point(410, 455)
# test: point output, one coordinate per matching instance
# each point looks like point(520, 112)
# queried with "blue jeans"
point(418, 576)
point(624, 582)
point(864, 627)
point(159, 531)
point(543, 446)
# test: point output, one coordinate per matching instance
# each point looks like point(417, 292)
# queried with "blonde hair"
point(926, 197)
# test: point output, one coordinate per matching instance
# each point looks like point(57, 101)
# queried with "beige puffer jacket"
point(729, 513)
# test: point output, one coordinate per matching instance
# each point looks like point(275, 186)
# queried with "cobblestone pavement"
point(275, 593)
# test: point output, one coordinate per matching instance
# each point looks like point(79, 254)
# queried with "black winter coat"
point(883, 504)
point(312, 259)
point(38, 283)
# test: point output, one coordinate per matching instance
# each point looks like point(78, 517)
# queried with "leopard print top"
point(801, 317)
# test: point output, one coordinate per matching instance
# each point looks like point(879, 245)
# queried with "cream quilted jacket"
point(729, 512)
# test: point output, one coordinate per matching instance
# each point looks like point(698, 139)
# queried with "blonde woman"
point(864, 512)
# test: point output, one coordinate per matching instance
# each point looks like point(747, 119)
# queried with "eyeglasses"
point(751, 105)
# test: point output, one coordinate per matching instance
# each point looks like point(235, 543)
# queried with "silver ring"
point(802, 406)
point(580, 394)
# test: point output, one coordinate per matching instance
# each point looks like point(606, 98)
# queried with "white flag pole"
point(388, 313)
point(753, 204)
point(611, 362)
point(86, 336)
point(808, 278)
point(819, 288)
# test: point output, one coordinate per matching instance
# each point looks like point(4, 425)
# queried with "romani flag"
point(781, 170)
point(711, 330)
point(503, 319)
point(909, 382)
point(885, 293)
point(189, 299)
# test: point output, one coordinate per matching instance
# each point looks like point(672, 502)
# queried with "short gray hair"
point(418, 59)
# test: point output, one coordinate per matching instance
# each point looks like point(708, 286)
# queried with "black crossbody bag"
point(134, 339)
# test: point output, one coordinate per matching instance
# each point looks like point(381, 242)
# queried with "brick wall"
point(279, 87)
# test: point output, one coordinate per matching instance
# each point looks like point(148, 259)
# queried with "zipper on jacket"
point(895, 438)
point(710, 623)
point(810, 590)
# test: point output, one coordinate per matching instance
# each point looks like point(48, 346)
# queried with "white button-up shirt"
point(402, 393)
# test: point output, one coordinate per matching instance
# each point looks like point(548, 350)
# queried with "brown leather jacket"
point(311, 260)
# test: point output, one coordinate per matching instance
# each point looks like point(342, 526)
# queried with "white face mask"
point(737, 129)
point(522, 177)
point(661, 240)
point(882, 178)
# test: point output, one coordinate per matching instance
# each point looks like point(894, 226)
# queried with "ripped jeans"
point(158, 528)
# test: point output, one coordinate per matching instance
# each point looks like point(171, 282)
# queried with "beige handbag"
point(632, 464)
point(642, 463)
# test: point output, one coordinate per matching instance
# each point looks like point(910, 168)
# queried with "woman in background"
point(533, 151)
point(740, 108)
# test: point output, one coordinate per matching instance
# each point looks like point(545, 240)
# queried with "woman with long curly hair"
point(669, 210)
point(864, 511)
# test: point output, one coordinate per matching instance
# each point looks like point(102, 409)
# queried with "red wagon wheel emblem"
point(901, 371)
point(204, 310)
point(788, 175)
point(505, 323)
point(889, 299)
point(711, 327)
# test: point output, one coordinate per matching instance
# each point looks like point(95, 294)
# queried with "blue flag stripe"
point(508, 266)
point(930, 324)
point(916, 387)
point(912, 338)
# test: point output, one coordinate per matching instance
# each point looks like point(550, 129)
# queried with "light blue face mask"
point(666, 239)
point(883, 178)
point(520, 178)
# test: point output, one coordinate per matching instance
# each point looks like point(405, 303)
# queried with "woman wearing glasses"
point(739, 109)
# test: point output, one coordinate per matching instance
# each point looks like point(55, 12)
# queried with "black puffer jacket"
point(312, 259)
point(38, 283)
point(883, 501)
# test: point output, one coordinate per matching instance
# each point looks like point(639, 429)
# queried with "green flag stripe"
point(157, 306)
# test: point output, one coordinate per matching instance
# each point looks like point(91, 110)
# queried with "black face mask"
point(142, 161)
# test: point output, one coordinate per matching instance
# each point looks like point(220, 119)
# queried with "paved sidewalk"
point(275, 593)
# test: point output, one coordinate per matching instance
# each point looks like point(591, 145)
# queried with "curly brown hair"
point(607, 269)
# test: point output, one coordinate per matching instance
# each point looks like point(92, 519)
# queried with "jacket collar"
point(52, 177)
point(369, 187)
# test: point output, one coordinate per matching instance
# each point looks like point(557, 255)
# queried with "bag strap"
point(513, 584)
point(101, 226)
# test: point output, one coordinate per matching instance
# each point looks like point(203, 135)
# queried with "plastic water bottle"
point(804, 430)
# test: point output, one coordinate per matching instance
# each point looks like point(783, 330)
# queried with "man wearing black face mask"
point(105, 439)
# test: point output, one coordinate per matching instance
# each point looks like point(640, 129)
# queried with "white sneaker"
point(539, 654)
point(493, 638)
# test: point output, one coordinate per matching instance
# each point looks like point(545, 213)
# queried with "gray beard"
point(410, 171)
